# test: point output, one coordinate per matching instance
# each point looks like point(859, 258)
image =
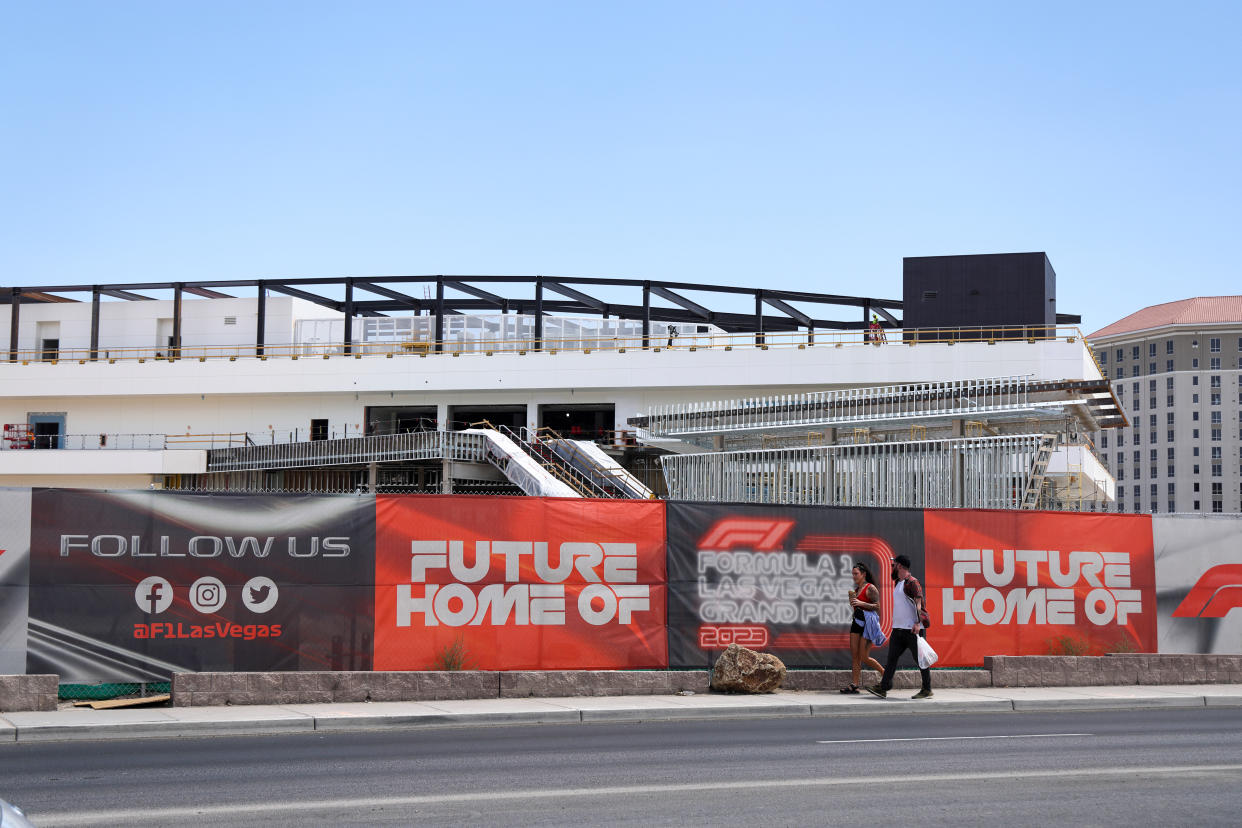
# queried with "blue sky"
point(807, 146)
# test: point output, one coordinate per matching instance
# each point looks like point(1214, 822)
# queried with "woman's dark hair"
point(862, 567)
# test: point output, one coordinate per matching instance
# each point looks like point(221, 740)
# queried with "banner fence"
point(131, 586)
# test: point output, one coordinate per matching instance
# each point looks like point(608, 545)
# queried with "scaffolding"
point(997, 398)
point(978, 473)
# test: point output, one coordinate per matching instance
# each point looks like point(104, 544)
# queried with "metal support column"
point(174, 350)
point(261, 323)
point(95, 323)
point(646, 314)
point(538, 313)
point(349, 316)
point(14, 312)
point(439, 346)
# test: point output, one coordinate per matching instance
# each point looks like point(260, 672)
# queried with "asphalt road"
point(1167, 767)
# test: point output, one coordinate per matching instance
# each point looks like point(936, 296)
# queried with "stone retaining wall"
point(37, 692)
point(212, 689)
point(1113, 669)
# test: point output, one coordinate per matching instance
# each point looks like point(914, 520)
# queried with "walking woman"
point(865, 629)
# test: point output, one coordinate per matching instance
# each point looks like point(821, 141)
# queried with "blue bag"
point(871, 628)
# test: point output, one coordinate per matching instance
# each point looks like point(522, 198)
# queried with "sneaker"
point(875, 690)
point(922, 694)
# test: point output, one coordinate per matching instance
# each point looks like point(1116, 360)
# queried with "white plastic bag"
point(927, 656)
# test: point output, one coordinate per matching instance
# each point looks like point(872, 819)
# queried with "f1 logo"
point(1218, 591)
point(749, 533)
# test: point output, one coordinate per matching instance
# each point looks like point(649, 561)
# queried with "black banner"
point(133, 586)
point(776, 578)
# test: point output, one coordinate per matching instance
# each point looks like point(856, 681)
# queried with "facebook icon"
point(153, 594)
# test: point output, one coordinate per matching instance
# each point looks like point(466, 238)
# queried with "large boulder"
point(739, 670)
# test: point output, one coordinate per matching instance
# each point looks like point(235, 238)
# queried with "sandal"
point(851, 689)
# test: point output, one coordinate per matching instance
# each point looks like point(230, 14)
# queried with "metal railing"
point(125, 442)
point(418, 445)
point(978, 472)
point(488, 347)
point(854, 406)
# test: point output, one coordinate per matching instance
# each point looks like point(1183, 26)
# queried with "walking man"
point(907, 626)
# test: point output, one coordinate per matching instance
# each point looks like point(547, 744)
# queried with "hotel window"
point(1121, 439)
point(1102, 356)
point(1152, 472)
point(1194, 380)
point(1216, 435)
point(1134, 352)
point(1121, 354)
point(1134, 492)
point(1215, 400)
point(1151, 349)
point(1172, 488)
point(1195, 470)
point(1215, 418)
point(1134, 372)
point(1168, 346)
point(1134, 387)
point(1214, 345)
point(1151, 418)
point(1170, 474)
point(1151, 387)
point(1151, 367)
point(1138, 456)
point(1168, 401)
point(1103, 441)
point(1168, 365)
point(1172, 505)
point(1214, 381)
point(1194, 415)
point(1194, 343)
point(1168, 384)
point(1168, 436)
point(1195, 451)
point(1196, 505)
point(1168, 418)
point(1170, 453)
point(1194, 398)
point(1119, 372)
point(1214, 364)
point(1121, 474)
point(1154, 455)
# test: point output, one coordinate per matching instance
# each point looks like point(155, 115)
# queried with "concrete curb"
point(167, 723)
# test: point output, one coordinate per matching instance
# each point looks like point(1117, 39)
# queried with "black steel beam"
point(15, 299)
point(479, 293)
point(175, 350)
point(261, 322)
point(95, 324)
point(677, 299)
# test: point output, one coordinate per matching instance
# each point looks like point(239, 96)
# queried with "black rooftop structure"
point(774, 310)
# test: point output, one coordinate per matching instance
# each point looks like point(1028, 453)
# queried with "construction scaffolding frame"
point(978, 473)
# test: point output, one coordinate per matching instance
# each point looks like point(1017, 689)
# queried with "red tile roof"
point(1200, 310)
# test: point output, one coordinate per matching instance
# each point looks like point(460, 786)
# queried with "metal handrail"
point(114, 441)
point(990, 334)
point(874, 404)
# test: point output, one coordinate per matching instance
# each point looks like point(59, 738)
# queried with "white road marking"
point(185, 813)
point(947, 738)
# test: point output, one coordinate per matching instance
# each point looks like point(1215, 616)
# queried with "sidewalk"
point(170, 722)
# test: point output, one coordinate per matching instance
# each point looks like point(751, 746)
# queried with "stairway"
point(1039, 471)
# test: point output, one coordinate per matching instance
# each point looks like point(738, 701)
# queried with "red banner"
point(500, 583)
point(1032, 583)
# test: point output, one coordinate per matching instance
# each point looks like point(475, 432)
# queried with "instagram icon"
point(207, 594)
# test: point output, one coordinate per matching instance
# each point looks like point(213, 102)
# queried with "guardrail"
point(112, 441)
point(895, 337)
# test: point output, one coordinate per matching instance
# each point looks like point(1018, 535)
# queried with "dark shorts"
point(857, 626)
